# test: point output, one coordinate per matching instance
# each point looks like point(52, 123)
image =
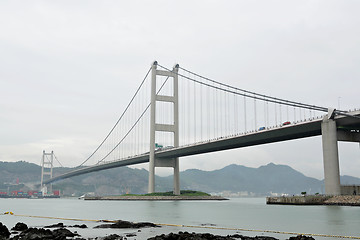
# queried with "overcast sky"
point(68, 69)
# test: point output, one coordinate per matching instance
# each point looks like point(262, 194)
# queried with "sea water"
point(236, 213)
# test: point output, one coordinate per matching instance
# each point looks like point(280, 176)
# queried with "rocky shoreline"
point(157, 198)
point(343, 200)
point(22, 232)
point(346, 200)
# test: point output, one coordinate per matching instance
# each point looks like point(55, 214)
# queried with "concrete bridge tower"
point(46, 170)
point(155, 127)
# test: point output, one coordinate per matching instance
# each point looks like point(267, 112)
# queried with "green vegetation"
point(182, 193)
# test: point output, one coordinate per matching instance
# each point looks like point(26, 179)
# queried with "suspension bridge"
point(177, 112)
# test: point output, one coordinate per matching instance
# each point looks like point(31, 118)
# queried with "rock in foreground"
point(4, 231)
point(20, 227)
point(40, 233)
point(301, 237)
point(61, 225)
point(127, 224)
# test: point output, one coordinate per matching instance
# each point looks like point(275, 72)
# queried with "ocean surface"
point(237, 213)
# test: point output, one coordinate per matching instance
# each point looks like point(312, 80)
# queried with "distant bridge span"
point(348, 129)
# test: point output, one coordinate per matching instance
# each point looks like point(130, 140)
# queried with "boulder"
point(79, 226)
point(4, 231)
point(57, 225)
point(20, 227)
point(127, 224)
point(41, 233)
point(63, 233)
point(61, 225)
point(301, 237)
point(35, 233)
point(113, 237)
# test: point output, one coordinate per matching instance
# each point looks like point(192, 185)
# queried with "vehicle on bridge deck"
point(158, 147)
point(286, 123)
point(261, 128)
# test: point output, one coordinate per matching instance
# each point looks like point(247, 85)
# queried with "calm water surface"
point(245, 213)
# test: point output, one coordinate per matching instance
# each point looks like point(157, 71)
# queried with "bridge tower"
point(160, 127)
point(46, 170)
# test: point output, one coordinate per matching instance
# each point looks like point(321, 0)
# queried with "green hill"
point(260, 181)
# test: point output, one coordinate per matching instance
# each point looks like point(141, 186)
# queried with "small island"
point(160, 196)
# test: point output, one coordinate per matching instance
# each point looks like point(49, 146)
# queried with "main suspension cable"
point(257, 95)
point(127, 107)
point(58, 161)
point(132, 127)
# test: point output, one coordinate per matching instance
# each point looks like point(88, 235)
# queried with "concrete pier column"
point(330, 157)
point(176, 177)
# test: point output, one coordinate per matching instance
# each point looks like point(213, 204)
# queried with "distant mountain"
point(349, 180)
point(259, 181)
point(264, 180)
point(112, 181)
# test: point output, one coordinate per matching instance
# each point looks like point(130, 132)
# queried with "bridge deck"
point(278, 134)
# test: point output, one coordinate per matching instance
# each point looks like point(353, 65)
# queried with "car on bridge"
point(286, 123)
point(158, 147)
point(261, 128)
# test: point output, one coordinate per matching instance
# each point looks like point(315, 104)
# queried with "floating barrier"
point(191, 226)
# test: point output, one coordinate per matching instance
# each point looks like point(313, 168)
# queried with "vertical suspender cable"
point(138, 129)
point(216, 113)
point(208, 112)
point(194, 104)
point(182, 99)
point(245, 114)
point(221, 115)
point(264, 113)
point(189, 111)
point(225, 113)
point(255, 113)
point(235, 114)
point(134, 132)
point(275, 115)
point(227, 116)
point(304, 114)
point(201, 113)
point(287, 113)
point(267, 114)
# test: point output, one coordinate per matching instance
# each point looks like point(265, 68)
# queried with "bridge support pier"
point(173, 128)
point(330, 157)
